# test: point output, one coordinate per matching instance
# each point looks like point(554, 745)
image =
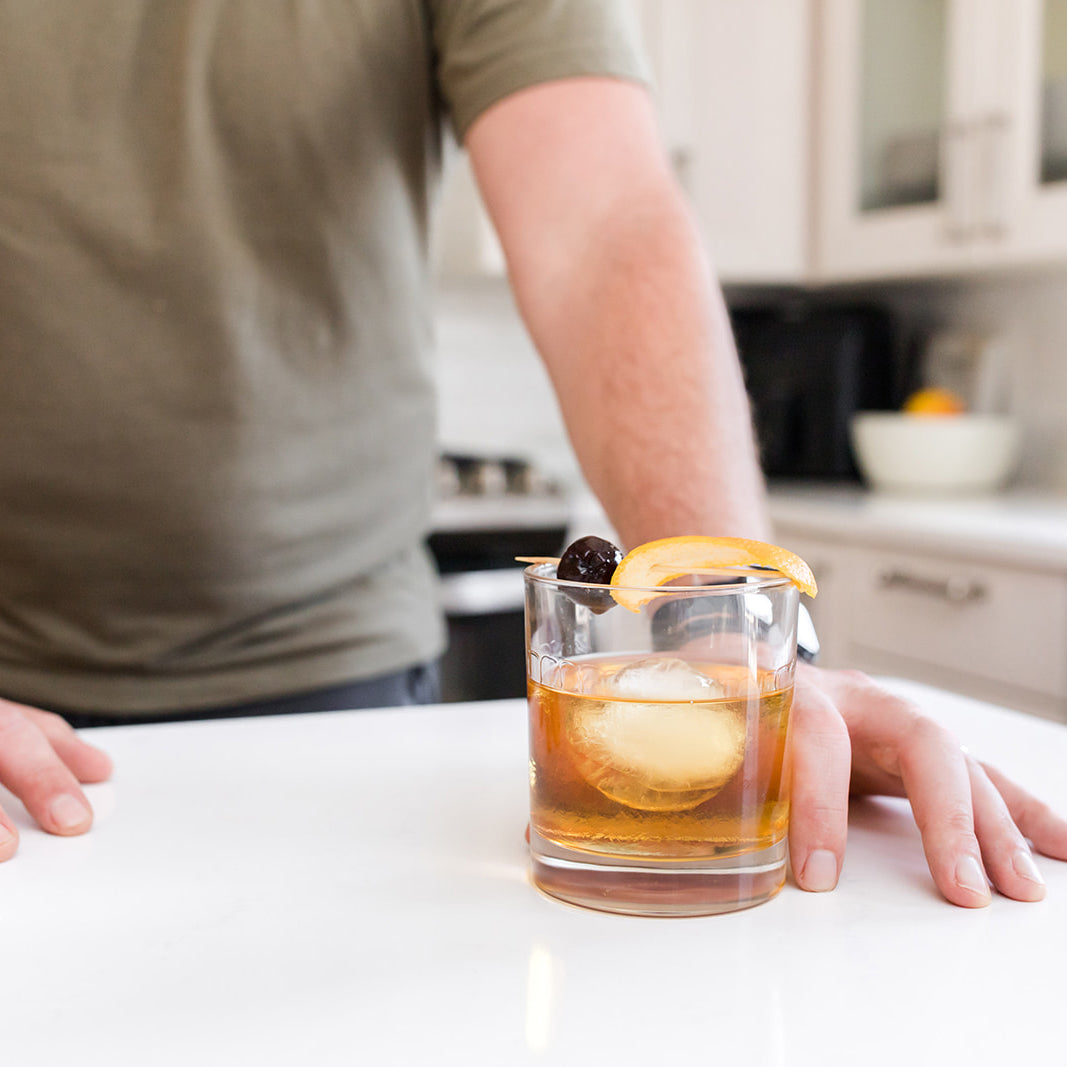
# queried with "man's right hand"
point(42, 761)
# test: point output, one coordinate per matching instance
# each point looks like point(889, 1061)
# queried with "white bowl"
point(905, 453)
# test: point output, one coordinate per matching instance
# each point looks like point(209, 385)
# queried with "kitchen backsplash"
point(1028, 315)
point(496, 397)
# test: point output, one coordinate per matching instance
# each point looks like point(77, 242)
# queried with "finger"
point(938, 785)
point(1046, 830)
point(9, 837)
point(1004, 850)
point(86, 762)
point(818, 822)
point(32, 770)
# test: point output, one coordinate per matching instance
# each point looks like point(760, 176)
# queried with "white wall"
point(1029, 312)
point(496, 397)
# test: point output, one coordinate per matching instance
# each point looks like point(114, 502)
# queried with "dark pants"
point(417, 685)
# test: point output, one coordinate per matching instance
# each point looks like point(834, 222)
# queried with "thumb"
point(822, 759)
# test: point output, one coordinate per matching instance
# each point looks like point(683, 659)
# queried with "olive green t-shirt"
point(216, 404)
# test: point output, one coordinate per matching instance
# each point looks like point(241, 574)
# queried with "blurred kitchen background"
point(883, 187)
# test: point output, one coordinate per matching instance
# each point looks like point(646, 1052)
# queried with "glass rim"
point(753, 580)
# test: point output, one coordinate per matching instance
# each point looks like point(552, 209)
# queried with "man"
point(213, 324)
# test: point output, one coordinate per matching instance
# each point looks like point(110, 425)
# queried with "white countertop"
point(1013, 527)
point(351, 888)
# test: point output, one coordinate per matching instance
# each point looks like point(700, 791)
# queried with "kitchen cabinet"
point(463, 243)
point(951, 594)
point(942, 128)
point(732, 90)
point(993, 632)
point(732, 84)
point(825, 141)
point(1035, 212)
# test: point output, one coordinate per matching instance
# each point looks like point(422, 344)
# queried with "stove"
point(489, 510)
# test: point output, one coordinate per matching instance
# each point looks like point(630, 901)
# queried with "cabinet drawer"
point(986, 621)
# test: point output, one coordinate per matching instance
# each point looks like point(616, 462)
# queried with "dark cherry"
point(589, 559)
point(592, 560)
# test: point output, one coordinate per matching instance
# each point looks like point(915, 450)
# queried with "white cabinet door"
point(997, 633)
point(734, 88)
point(941, 136)
point(463, 243)
point(733, 84)
point(893, 116)
point(988, 630)
point(1030, 135)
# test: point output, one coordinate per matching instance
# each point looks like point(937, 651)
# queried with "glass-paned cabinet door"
point(943, 136)
point(1036, 200)
point(895, 87)
point(1053, 142)
point(903, 101)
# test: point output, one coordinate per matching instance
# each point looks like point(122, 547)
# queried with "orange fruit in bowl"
point(933, 400)
point(651, 565)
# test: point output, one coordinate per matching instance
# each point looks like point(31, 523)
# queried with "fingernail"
point(6, 836)
point(68, 813)
point(970, 876)
point(1023, 865)
point(820, 872)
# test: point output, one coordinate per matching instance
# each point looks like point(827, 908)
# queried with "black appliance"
point(808, 368)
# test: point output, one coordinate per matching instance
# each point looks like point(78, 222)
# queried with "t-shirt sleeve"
point(486, 49)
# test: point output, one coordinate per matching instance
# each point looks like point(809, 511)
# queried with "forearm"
point(638, 343)
point(620, 300)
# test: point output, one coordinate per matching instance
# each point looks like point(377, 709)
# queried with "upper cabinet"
point(941, 129)
point(1034, 223)
point(463, 242)
point(733, 84)
point(826, 141)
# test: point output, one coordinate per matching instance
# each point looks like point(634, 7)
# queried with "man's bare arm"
point(621, 302)
point(613, 284)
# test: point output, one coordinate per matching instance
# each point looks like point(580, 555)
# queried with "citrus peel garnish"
point(659, 562)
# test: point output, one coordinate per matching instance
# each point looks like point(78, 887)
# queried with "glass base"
point(657, 888)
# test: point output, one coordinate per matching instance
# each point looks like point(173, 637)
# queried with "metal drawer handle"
point(996, 136)
point(955, 589)
point(957, 166)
